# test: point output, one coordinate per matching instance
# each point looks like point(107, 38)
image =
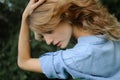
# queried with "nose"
point(48, 39)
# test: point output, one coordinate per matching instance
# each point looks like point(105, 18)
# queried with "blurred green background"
point(10, 18)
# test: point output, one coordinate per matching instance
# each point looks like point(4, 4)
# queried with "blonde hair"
point(88, 14)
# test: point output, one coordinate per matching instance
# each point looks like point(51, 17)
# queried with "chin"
point(63, 46)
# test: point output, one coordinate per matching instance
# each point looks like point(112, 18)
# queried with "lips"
point(58, 44)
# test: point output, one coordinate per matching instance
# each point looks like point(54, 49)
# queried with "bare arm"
point(24, 59)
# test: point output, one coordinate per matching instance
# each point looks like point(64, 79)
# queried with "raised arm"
point(24, 59)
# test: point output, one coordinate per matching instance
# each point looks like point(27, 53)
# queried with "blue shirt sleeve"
point(57, 64)
point(53, 65)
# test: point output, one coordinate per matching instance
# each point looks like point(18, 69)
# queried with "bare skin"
point(24, 59)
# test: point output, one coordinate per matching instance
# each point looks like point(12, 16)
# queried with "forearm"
point(24, 44)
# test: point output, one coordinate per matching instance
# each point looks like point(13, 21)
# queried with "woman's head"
point(89, 15)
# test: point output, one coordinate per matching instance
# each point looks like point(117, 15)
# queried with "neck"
point(79, 32)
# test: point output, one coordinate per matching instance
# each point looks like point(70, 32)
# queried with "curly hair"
point(90, 15)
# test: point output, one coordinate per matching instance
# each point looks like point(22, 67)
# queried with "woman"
point(96, 55)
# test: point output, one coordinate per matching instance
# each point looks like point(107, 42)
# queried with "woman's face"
point(60, 37)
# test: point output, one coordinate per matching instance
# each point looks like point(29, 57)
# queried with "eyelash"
point(49, 32)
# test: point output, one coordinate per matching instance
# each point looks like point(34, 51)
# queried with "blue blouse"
point(92, 58)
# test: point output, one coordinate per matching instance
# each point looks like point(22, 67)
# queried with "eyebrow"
point(49, 32)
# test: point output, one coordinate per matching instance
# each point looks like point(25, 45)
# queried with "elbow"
point(20, 64)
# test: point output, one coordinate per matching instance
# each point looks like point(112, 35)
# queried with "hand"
point(31, 6)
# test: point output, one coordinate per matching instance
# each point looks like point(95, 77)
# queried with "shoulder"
point(76, 56)
point(80, 50)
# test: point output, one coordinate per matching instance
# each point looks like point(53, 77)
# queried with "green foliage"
point(10, 18)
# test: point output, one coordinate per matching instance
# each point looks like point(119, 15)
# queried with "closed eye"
point(48, 32)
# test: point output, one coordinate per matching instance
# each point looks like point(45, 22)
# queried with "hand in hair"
point(31, 6)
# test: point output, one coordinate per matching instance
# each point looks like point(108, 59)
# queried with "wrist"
point(24, 17)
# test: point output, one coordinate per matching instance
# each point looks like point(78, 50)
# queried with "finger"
point(39, 2)
point(33, 1)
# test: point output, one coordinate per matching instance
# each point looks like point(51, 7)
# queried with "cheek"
point(63, 33)
point(66, 32)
